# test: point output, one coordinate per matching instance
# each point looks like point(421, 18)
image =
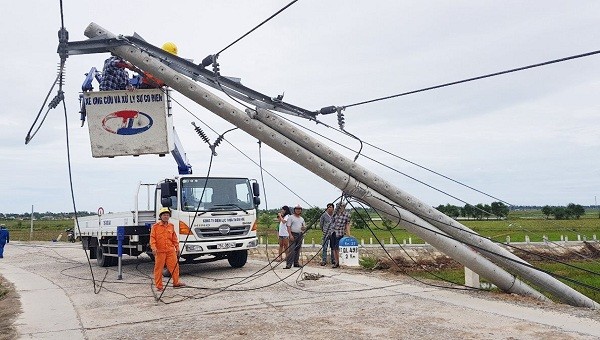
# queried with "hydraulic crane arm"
point(183, 164)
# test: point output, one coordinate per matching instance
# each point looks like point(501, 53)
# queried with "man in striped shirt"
point(341, 226)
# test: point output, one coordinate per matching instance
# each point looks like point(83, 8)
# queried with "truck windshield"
point(219, 194)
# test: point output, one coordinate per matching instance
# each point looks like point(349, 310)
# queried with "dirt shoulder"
point(10, 307)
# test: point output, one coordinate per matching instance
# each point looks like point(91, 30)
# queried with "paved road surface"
point(59, 302)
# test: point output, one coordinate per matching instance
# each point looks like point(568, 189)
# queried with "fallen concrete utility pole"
point(486, 247)
point(340, 178)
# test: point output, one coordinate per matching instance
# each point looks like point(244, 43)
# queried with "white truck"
point(215, 217)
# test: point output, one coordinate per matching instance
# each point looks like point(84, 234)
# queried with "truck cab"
point(213, 217)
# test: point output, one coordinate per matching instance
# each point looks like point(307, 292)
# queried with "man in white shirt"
point(296, 229)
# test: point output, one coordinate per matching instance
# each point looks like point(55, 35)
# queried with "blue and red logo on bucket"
point(127, 122)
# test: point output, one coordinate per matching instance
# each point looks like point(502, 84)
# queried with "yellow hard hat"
point(164, 210)
point(170, 47)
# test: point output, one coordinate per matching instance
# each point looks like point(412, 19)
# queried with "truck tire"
point(238, 258)
point(104, 261)
point(92, 253)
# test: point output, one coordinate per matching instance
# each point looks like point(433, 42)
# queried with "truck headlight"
point(193, 247)
point(252, 243)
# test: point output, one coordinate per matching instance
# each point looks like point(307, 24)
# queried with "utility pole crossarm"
point(232, 86)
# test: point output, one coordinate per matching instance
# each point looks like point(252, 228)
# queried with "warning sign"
point(127, 123)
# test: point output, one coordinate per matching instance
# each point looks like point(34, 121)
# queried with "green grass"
point(536, 229)
point(367, 262)
point(496, 230)
point(517, 226)
point(43, 230)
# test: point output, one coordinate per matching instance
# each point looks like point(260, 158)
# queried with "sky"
point(527, 138)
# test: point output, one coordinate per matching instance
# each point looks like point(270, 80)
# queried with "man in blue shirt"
point(4, 239)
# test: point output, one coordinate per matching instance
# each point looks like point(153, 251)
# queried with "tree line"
point(572, 210)
point(496, 210)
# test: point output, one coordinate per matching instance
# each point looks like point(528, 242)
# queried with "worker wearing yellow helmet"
point(170, 47)
point(165, 247)
point(151, 82)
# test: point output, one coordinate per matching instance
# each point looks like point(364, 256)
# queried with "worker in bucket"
point(4, 239)
point(114, 74)
point(165, 247)
point(149, 81)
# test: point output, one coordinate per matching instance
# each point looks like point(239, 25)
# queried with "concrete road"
point(60, 301)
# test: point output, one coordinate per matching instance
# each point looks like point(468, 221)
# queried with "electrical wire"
point(62, 17)
point(470, 232)
point(197, 210)
point(504, 257)
point(256, 27)
point(409, 256)
point(248, 279)
point(241, 152)
point(414, 178)
point(73, 198)
point(475, 78)
point(30, 135)
point(376, 161)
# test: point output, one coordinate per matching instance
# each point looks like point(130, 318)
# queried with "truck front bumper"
point(211, 247)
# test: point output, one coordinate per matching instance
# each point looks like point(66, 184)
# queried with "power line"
point(256, 27)
point(504, 257)
point(465, 287)
point(475, 78)
point(390, 167)
point(240, 151)
point(418, 180)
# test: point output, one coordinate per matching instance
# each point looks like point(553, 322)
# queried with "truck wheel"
point(103, 261)
point(92, 253)
point(237, 259)
point(166, 272)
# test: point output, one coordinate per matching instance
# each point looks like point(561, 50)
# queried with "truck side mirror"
point(166, 202)
point(168, 189)
point(256, 190)
point(256, 201)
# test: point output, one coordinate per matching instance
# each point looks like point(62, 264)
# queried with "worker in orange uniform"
point(165, 247)
point(151, 82)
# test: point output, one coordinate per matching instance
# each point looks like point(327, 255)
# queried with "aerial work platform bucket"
point(128, 123)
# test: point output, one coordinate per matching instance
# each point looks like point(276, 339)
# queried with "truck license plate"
point(226, 245)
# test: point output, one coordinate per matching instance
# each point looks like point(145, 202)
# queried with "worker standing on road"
point(325, 222)
point(341, 226)
point(296, 228)
point(4, 239)
point(165, 247)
